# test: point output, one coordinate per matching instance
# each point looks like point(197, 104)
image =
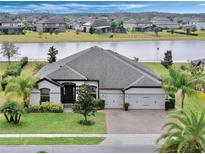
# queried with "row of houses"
point(52, 24)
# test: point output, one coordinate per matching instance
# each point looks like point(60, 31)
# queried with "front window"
point(45, 95)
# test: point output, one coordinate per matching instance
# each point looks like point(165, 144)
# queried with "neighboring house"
point(200, 25)
point(164, 23)
point(199, 62)
point(113, 77)
point(144, 26)
point(98, 24)
point(51, 25)
point(8, 26)
point(130, 25)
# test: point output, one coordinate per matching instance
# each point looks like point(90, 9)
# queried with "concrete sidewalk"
point(80, 135)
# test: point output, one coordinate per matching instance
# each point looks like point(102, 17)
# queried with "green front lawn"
point(51, 141)
point(67, 122)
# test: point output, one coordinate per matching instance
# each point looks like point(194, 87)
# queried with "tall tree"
point(113, 26)
point(22, 86)
point(156, 31)
point(85, 104)
point(8, 50)
point(184, 133)
point(52, 52)
point(181, 82)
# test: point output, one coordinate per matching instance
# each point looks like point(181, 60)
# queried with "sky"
point(73, 7)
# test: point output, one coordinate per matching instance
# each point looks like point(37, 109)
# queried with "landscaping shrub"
point(12, 111)
point(3, 84)
point(99, 104)
point(170, 104)
point(12, 70)
point(23, 62)
point(46, 107)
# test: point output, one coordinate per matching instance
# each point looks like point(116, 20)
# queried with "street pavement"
point(79, 149)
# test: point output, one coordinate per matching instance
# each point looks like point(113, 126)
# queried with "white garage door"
point(112, 100)
point(146, 101)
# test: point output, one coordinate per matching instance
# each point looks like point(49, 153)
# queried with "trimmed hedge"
point(99, 104)
point(46, 107)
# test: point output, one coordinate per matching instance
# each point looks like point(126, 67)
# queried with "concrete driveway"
point(135, 121)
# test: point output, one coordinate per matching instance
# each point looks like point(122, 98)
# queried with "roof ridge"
point(149, 75)
point(133, 64)
point(68, 67)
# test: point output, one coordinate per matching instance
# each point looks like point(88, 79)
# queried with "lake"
point(144, 50)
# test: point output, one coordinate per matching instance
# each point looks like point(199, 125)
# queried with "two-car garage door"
point(146, 101)
point(114, 99)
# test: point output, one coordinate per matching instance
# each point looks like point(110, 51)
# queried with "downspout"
point(123, 91)
point(98, 89)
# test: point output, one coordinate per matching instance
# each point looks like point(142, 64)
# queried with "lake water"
point(144, 50)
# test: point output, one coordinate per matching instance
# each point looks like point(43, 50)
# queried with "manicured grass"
point(67, 122)
point(51, 141)
point(161, 70)
point(71, 36)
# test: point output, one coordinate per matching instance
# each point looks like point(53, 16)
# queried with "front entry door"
point(69, 93)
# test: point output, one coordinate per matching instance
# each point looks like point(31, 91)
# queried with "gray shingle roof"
point(100, 23)
point(111, 69)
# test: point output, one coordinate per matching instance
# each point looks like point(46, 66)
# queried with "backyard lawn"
point(71, 36)
point(51, 141)
point(66, 122)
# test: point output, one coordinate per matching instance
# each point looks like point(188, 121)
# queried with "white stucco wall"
point(55, 95)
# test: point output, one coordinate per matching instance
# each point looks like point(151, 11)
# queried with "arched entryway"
point(68, 93)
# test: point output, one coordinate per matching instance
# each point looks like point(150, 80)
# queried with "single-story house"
point(97, 24)
point(51, 25)
point(143, 25)
point(164, 23)
point(112, 77)
point(130, 25)
point(199, 62)
point(200, 24)
point(8, 26)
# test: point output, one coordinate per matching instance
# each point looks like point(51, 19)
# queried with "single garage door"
point(146, 101)
point(112, 100)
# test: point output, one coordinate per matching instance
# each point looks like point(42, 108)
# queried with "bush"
point(170, 104)
point(3, 84)
point(12, 70)
point(99, 104)
point(23, 62)
point(12, 111)
point(46, 107)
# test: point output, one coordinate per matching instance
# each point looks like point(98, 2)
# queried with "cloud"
point(203, 4)
point(68, 7)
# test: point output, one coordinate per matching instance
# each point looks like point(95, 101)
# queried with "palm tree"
point(182, 82)
point(185, 133)
point(22, 86)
